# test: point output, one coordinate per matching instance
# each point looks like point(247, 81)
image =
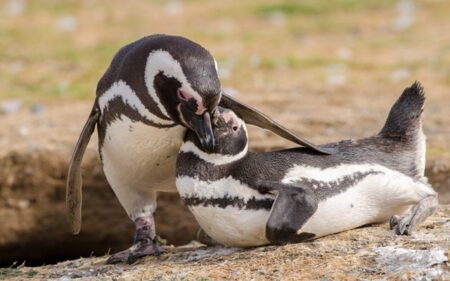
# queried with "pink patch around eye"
point(183, 95)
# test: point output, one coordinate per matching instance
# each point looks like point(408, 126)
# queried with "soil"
point(367, 253)
point(35, 149)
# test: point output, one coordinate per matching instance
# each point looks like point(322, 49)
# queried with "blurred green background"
point(52, 49)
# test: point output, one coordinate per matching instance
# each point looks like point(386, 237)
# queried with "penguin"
point(154, 90)
point(247, 199)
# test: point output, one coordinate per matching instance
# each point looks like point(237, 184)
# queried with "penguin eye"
point(181, 95)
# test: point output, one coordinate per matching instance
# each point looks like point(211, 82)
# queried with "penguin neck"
point(192, 145)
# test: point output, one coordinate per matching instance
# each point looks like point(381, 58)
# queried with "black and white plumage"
point(247, 199)
point(154, 89)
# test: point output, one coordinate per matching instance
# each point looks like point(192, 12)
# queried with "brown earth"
point(368, 253)
point(35, 148)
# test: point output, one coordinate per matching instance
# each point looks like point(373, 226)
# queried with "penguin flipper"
point(74, 180)
point(255, 117)
point(291, 209)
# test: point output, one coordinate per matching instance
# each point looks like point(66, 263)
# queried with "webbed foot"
point(145, 243)
point(405, 224)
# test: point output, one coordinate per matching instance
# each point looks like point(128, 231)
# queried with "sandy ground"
point(368, 253)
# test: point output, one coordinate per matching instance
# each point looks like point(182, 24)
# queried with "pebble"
point(24, 131)
point(14, 7)
point(10, 106)
point(396, 259)
point(66, 24)
point(400, 74)
point(336, 75)
point(345, 53)
point(405, 15)
point(277, 18)
point(37, 109)
point(255, 61)
point(173, 7)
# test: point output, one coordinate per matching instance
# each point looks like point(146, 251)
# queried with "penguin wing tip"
point(329, 150)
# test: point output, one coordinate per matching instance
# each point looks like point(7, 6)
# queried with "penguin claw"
point(393, 222)
point(151, 249)
point(402, 225)
point(119, 257)
point(145, 243)
point(135, 252)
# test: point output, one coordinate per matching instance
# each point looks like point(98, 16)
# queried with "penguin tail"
point(74, 180)
point(404, 121)
point(404, 125)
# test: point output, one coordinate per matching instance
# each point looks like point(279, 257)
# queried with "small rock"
point(173, 7)
point(336, 75)
point(66, 24)
point(14, 7)
point(344, 53)
point(396, 259)
point(406, 15)
point(10, 106)
point(255, 61)
point(18, 203)
point(24, 131)
point(37, 109)
point(16, 66)
point(400, 74)
point(23, 204)
point(277, 18)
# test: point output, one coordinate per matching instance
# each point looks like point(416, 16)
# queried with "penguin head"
point(230, 133)
point(186, 86)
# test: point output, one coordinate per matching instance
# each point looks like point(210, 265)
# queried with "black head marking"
point(230, 133)
point(173, 77)
point(198, 71)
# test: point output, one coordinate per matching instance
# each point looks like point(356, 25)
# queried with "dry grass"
point(59, 49)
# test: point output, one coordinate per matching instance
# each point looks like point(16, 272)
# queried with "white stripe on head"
point(213, 158)
point(128, 96)
point(158, 61)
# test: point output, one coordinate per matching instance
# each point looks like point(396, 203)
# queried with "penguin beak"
point(201, 125)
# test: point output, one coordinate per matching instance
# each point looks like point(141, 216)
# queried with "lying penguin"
point(245, 199)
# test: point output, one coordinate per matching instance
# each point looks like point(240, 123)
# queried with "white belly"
point(231, 226)
point(139, 160)
point(373, 199)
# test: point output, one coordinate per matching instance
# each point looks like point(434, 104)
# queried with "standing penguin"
point(247, 199)
point(154, 89)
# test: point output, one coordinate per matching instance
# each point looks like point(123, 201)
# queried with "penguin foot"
point(135, 252)
point(145, 243)
point(405, 224)
point(401, 224)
